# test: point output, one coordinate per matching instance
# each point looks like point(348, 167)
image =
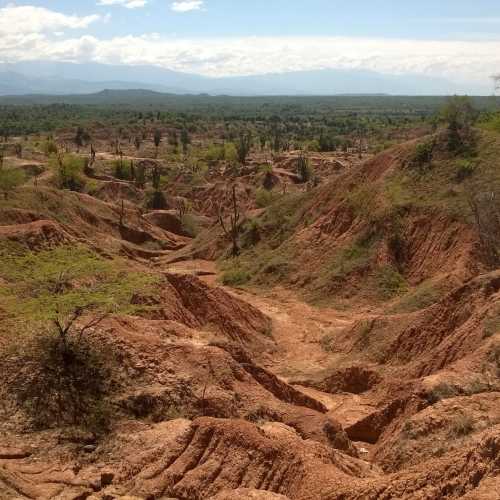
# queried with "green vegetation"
point(420, 297)
point(236, 277)
point(351, 259)
point(52, 300)
point(51, 285)
point(69, 169)
point(390, 282)
point(441, 391)
point(264, 198)
point(10, 179)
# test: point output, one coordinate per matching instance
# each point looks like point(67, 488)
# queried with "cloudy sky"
point(455, 39)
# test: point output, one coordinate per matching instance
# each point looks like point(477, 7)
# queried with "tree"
point(232, 228)
point(459, 115)
point(276, 138)
point(243, 146)
point(140, 176)
point(137, 142)
point(60, 296)
point(81, 137)
point(69, 171)
point(303, 168)
point(157, 139)
point(185, 140)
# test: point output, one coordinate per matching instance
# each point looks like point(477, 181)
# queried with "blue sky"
point(454, 39)
point(424, 19)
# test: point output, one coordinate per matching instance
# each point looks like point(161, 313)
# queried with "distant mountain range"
point(59, 78)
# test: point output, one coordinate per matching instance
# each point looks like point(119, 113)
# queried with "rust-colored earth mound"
point(350, 351)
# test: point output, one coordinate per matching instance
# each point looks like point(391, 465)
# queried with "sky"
point(454, 39)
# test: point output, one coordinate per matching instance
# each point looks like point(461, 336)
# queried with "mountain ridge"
point(57, 78)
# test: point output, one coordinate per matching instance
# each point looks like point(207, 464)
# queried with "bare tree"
point(232, 227)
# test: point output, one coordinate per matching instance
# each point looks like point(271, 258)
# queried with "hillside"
point(180, 320)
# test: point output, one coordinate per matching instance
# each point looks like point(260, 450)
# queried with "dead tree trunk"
point(233, 229)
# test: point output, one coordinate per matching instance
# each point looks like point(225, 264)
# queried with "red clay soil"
point(226, 394)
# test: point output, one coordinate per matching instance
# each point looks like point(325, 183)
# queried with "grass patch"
point(461, 426)
point(441, 391)
point(349, 260)
point(235, 277)
point(420, 297)
point(390, 282)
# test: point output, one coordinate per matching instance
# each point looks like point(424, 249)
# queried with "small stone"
point(89, 448)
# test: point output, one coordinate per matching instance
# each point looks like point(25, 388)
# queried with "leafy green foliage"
point(69, 169)
point(51, 299)
point(465, 169)
point(422, 157)
point(235, 277)
point(50, 285)
point(304, 169)
point(124, 169)
point(390, 282)
point(10, 179)
point(264, 198)
point(58, 384)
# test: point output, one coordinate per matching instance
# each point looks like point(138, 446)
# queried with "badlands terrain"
point(180, 320)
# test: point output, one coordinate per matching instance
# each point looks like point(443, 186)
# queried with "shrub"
point(251, 233)
point(304, 169)
point(349, 260)
point(390, 282)
point(465, 169)
point(63, 384)
point(69, 172)
point(421, 297)
point(50, 147)
point(10, 179)
point(462, 426)
point(123, 170)
point(189, 225)
point(60, 295)
point(264, 198)
point(422, 156)
point(215, 152)
point(235, 277)
point(441, 391)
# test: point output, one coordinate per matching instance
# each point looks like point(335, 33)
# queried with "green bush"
point(235, 277)
point(189, 225)
point(215, 152)
point(123, 170)
point(465, 169)
point(441, 391)
point(69, 169)
point(63, 384)
point(349, 260)
point(50, 301)
point(422, 156)
point(10, 179)
point(390, 282)
point(264, 198)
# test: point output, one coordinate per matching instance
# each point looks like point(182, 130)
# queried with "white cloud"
point(35, 33)
point(129, 4)
point(187, 5)
point(30, 19)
